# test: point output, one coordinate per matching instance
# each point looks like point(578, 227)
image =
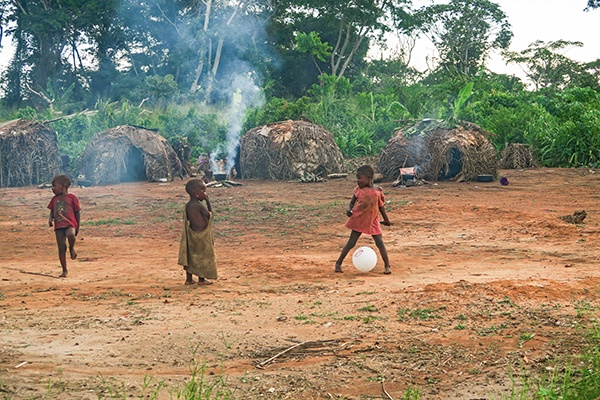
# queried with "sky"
point(531, 20)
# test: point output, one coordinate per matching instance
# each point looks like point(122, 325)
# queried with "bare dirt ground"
point(487, 281)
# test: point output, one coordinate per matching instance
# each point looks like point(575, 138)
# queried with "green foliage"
point(203, 131)
point(161, 88)
point(311, 43)
point(570, 135)
point(26, 113)
point(511, 117)
point(546, 67)
point(464, 32)
point(459, 103)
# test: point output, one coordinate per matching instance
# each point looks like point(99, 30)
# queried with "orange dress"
point(365, 214)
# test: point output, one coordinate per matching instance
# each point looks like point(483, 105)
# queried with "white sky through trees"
point(531, 20)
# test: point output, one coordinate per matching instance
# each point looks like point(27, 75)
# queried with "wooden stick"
point(267, 361)
point(38, 273)
point(32, 273)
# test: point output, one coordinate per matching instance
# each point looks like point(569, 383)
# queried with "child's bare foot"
point(63, 275)
point(387, 270)
point(203, 281)
point(189, 282)
point(73, 253)
point(338, 268)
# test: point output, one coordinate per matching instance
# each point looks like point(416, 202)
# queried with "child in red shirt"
point(364, 208)
point(64, 216)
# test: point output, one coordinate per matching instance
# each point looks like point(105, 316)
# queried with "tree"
point(195, 40)
point(347, 26)
point(593, 4)
point(54, 43)
point(546, 67)
point(464, 32)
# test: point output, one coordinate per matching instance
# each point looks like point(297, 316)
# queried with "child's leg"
point(61, 241)
point(204, 281)
point(384, 255)
point(70, 232)
point(189, 278)
point(354, 235)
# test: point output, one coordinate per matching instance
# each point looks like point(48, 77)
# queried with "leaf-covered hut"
point(128, 154)
point(438, 152)
point(28, 153)
point(290, 150)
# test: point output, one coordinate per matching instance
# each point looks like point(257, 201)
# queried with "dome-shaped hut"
point(438, 152)
point(290, 150)
point(28, 153)
point(128, 154)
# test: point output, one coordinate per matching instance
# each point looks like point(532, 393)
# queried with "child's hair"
point(366, 170)
point(62, 179)
point(193, 185)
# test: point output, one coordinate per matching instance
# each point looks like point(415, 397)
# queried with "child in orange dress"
point(364, 208)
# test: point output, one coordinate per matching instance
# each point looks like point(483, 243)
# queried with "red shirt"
point(64, 207)
point(365, 214)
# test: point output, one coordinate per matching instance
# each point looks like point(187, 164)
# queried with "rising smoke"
point(244, 93)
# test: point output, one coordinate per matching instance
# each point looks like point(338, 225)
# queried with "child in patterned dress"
point(363, 212)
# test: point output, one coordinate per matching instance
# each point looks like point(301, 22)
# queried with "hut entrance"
point(455, 165)
point(134, 166)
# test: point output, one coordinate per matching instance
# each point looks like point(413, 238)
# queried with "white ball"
point(364, 259)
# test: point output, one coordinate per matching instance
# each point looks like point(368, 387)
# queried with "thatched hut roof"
point(290, 150)
point(28, 153)
point(439, 152)
point(128, 154)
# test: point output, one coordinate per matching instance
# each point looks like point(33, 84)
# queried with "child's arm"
point(77, 218)
point(208, 205)
point(386, 220)
point(351, 206)
point(51, 218)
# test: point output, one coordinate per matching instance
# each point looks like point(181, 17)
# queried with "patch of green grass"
point(507, 301)
point(391, 205)
point(418, 313)
point(301, 317)
point(411, 393)
point(110, 221)
point(460, 327)
point(583, 307)
point(491, 330)
point(525, 336)
point(369, 308)
point(370, 318)
point(365, 293)
point(573, 377)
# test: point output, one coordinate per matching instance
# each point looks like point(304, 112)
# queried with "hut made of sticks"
point(28, 153)
point(438, 152)
point(517, 156)
point(290, 150)
point(128, 154)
